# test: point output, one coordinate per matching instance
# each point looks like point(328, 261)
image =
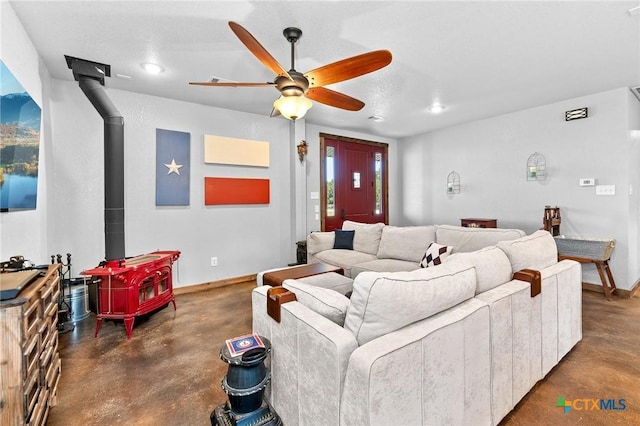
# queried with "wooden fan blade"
point(256, 48)
point(348, 68)
point(334, 99)
point(230, 84)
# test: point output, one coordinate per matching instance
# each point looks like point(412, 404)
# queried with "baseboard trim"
point(635, 288)
point(625, 294)
point(214, 284)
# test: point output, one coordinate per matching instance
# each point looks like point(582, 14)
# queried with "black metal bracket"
point(82, 67)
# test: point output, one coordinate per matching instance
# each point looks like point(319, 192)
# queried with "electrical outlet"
point(214, 261)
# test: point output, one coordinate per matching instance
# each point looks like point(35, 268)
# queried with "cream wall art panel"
point(240, 152)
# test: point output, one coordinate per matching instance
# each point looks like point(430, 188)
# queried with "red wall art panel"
point(235, 191)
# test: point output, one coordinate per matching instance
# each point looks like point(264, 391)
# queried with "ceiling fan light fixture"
point(292, 107)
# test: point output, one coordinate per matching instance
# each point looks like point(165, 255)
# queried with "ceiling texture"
point(479, 58)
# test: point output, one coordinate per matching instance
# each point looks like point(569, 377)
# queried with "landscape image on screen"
point(19, 144)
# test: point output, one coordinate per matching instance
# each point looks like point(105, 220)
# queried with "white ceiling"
point(478, 58)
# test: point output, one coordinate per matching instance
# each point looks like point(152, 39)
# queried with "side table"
point(245, 384)
point(603, 268)
point(590, 250)
point(479, 223)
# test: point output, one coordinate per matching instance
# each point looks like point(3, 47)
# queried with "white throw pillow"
point(435, 254)
point(405, 242)
point(367, 236)
point(383, 302)
point(492, 266)
point(472, 239)
point(326, 302)
point(535, 251)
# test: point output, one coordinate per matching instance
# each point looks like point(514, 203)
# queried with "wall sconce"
point(302, 150)
point(536, 167)
point(453, 183)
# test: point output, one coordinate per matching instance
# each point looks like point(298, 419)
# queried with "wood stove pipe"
point(90, 77)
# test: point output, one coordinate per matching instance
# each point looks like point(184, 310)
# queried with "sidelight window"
point(330, 181)
point(378, 182)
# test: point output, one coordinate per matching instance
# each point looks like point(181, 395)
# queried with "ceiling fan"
point(297, 88)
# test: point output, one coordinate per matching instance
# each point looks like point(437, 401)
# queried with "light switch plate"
point(605, 190)
point(315, 195)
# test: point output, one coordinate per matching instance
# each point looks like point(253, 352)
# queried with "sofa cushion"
point(383, 302)
point(470, 239)
point(328, 303)
point(345, 259)
point(383, 265)
point(492, 266)
point(367, 236)
point(343, 239)
point(434, 255)
point(330, 280)
point(405, 242)
point(535, 251)
point(320, 241)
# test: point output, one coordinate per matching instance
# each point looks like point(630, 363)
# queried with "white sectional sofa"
point(385, 248)
point(460, 343)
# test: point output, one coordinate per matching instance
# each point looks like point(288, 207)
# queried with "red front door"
point(353, 183)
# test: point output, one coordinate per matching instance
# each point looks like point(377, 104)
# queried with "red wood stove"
point(132, 287)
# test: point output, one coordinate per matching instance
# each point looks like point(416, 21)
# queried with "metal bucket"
point(77, 298)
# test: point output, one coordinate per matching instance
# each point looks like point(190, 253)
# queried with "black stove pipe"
point(113, 167)
point(90, 77)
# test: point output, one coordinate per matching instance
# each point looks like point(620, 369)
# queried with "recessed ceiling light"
point(376, 118)
point(436, 108)
point(152, 68)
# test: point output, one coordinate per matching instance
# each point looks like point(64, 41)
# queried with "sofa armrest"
point(434, 371)
point(317, 242)
point(531, 276)
point(308, 361)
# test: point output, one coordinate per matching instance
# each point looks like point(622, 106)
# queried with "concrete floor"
point(604, 365)
point(169, 373)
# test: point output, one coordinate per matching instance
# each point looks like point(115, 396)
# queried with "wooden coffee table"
point(276, 278)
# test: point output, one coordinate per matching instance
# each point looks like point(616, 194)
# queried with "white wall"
point(634, 186)
point(313, 170)
point(491, 155)
point(25, 232)
point(246, 239)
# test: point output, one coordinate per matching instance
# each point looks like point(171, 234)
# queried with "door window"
point(330, 181)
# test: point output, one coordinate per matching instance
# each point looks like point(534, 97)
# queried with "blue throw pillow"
point(344, 239)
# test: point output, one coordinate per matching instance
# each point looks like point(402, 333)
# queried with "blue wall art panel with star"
point(173, 152)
